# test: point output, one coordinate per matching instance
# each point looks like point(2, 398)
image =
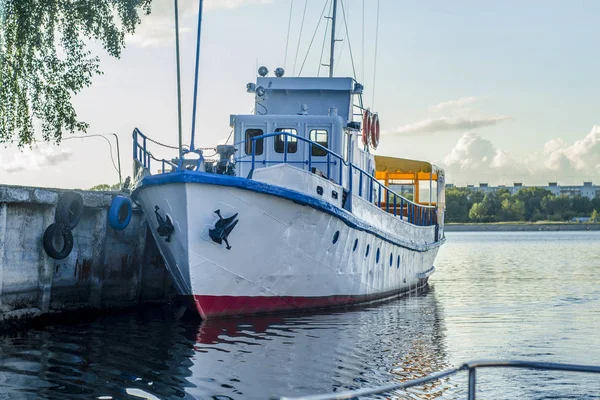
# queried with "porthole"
point(377, 256)
point(367, 252)
point(398, 263)
point(391, 259)
point(336, 236)
point(355, 244)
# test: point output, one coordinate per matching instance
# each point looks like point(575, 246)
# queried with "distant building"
point(588, 189)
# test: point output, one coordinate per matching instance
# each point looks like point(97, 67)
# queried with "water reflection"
point(322, 352)
point(155, 354)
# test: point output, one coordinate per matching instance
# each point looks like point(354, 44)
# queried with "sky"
point(494, 92)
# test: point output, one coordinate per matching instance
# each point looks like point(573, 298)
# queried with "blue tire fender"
point(119, 213)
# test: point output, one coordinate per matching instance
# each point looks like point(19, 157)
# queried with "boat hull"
point(223, 306)
point(285, 253)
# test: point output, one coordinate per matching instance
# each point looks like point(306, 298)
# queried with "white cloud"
point(476, 156)
point(476, 159)
point(460, 102)
point(159, 27)
point(449, 124)
point(155, 32)
point(36, 159)
point(583, 156)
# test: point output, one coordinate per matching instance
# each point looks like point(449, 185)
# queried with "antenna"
point(331, 52)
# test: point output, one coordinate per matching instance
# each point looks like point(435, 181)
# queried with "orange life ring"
point(366, 128)
point(375, 131)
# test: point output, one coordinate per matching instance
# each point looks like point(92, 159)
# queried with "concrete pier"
point(106, 269)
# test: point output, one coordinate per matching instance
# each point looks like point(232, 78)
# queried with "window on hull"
point(292, 142)
point(250, 133)
point(321, 136)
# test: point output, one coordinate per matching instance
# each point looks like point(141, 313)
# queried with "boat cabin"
point(303, 110)
point(315, 124)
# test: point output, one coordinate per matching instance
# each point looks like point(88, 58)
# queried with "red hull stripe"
point(220, 306)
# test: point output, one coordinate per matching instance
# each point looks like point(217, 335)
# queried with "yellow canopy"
point(391, 168)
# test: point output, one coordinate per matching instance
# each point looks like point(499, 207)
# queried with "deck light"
point(263, 71)
point(279, 72)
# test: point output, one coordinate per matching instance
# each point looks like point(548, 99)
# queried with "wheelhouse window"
point(321, 136)
point(251, 133)
point(292, 142)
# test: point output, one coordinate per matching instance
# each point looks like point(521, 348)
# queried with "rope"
point(229, 137)
point(324, 39)
point(165, 145)
point(300, 36)
point(287, 41)
point(375, 66)
point(348, 36)
point(313, 37)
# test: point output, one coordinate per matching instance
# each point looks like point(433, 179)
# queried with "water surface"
point(532, 296)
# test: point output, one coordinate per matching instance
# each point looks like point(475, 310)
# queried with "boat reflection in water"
point(154, 354)
point(271, 356)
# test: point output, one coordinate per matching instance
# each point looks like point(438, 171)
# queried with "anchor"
point(223, 228)
point(165, 228)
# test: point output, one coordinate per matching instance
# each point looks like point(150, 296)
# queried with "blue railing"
point(394, 203)
point(143, 156)
point(471, 367)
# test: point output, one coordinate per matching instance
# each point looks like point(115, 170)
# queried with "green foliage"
point(458, 205)
point(595, 203)
point(595, 216)
point(513, 209)
point(532, 199)
point(478, 213)
point(528, 204)
point(103, 187)
point(44, 60)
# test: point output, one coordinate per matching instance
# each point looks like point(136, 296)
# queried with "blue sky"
point(493, 91)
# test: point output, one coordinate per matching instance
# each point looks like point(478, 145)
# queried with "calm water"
point(528, 296)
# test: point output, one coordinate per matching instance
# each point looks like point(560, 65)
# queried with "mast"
point(178, 77)
point(332, 47)
point(196, 76)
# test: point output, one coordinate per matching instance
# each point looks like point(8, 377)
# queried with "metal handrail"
point(471, 367)
point(141, 153)
point(417, 214)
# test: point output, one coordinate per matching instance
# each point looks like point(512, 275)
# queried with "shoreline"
point(520, 227)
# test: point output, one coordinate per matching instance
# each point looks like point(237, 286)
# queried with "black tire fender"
point(52, 232)
point(69, 209)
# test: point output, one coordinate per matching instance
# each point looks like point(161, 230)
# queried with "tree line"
point(528, 204)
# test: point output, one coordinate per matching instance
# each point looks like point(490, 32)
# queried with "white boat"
point(298, 213)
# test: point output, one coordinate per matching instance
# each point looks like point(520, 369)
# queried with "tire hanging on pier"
point(69, 209)
point(119, 213)
point(366, 127)
point(51, 241)
point(375, 131)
